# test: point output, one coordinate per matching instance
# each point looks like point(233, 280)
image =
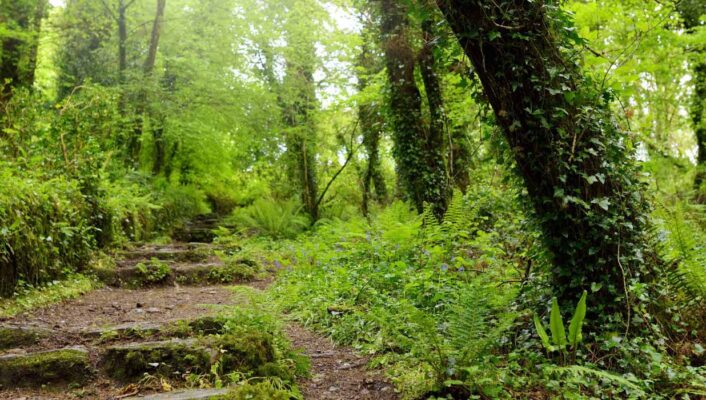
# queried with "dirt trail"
point(338, 372)
point(139, 316)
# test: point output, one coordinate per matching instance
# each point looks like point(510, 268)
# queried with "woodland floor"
point(336, 372)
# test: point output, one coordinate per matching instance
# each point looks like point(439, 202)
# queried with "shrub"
point(44, 228)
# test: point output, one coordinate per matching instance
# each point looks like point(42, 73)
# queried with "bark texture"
point(581, 180)
point(418, 148)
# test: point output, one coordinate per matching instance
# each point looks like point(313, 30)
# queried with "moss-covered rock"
point(13, 336)
point(246, 353)
point(68, 366)
point(165, 358)
point(207, 325)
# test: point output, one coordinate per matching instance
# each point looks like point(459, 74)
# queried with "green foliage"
point(44, 229)
point(265, 390)
point(417, 295)
point(155, 271)
point(277, 219)
point(559, 340)
point(27, 299)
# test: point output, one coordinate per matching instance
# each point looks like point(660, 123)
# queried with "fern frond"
point(455, 213)
point(429, 221)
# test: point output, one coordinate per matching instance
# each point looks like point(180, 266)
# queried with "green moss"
point(71, 287)
point(246, 353)
point(153, 272)
point(13, 337)
point(232, 271)
point(198, 254)
point(59, 366)
point(258, 391)
point(160, 358)
point(208, 325)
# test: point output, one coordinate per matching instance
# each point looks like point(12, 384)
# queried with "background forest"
point(432, 183)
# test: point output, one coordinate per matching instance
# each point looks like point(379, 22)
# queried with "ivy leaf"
point(603, 203)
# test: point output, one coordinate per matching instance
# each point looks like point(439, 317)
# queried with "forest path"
point(154, 318)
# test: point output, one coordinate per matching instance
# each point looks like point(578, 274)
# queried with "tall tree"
point(141, 107)
point(85, 27)
point(691, 12)
point(581, 179)
point(299, 105)
point(20, 25)
point(418, 148)
point(369, 114)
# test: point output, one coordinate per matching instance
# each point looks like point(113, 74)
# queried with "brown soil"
point(106, 308)
point(338, 373)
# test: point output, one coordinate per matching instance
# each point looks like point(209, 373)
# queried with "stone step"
point(64, 366)
point(164, 358)
point(196, 394)
point(169, 253)
point(209, 325)
point(196, 234)
point(12, 336)
point(167, 274)
point(247, 353)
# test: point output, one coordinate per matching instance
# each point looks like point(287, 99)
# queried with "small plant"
point(155, 271)
point(559, 340)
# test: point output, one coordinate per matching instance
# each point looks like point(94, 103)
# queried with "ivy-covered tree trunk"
point(371, 127)
point(418, 152)
point(691, 12)
point(579, 173)
point(442, 140)
point(301, 149)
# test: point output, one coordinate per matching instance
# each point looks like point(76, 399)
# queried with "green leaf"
point(542, 333)
point(556, 325)
point(575, 335)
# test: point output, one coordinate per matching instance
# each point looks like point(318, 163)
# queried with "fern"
point(455, 213)
point(273, 218)
point(469, 333)
point(683, 248)
point(429, 220)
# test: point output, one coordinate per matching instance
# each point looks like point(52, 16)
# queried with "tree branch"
point(351, 153)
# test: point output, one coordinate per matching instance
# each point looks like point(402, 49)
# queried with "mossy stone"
point(246, 353)
point(13, 336)
point(70, 365)
point(158, 358)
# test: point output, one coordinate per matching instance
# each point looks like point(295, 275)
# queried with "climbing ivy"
point(577, 165)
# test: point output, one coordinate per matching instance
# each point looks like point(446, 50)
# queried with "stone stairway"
point(157, 319)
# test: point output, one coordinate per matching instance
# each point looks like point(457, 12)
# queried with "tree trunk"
point(420, 165)
point(581, 179)
point(297, 110)
point(370, 125)
point(122, 40)
point(154, 40)
point(438, 123)
point(134, 146)
point(691, 12)
point(18, 59)
point(33, 48)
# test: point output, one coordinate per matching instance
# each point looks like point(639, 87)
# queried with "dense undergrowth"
point(447, 307)
point(64, 195)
